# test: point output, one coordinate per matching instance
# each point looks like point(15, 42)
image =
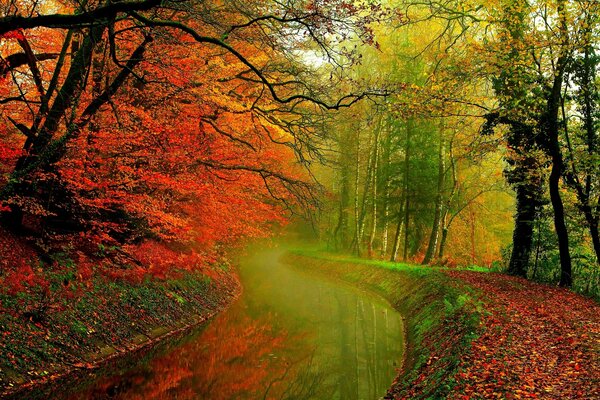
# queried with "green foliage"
point(544, 263)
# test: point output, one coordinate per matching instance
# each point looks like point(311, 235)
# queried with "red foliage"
point(188, 160)
point(159, 260)
point(23, 277)
point(15, 252)
point(17, 34)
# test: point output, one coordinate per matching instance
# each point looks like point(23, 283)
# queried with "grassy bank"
point(441, 317)
point(56, 332)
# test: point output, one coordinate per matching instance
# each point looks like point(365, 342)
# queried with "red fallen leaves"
point(538, 342)
point(15, 264)
point(22, 277)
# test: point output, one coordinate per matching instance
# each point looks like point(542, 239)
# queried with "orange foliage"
point(188, 158)
point(191, 371)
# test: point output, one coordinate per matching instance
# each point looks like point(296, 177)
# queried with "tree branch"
point(67, 21)
point(342, 102)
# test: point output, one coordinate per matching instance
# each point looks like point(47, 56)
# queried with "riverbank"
point(537, 341)
point(441, 318)
point(99, 319)
point(480, 335)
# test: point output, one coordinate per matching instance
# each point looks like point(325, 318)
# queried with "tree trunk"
point(386, 193)
point(396, 245)
point(550, 127)
point(340, 233)
point(398, 233)
point(386, 216)
point(593, 227)
point(435, 228)
point(366, 190)
point(355, 241)
point(472, 221)
point(443, 242)
point(374, 195)
point(406, 188)
point(566, 279)
point(523, 233)
point(374, 166)
point(38, 141)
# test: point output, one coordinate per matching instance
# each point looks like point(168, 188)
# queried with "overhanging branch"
point(342, 102)
point(68, 21)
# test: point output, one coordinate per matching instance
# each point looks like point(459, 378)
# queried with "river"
point(290, 335)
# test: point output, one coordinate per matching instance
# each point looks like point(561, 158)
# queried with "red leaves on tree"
point(18, 35)
point(187, 159)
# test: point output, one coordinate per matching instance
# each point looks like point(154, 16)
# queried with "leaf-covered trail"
point(538, 342)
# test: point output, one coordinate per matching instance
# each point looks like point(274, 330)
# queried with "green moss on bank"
point(441, 317)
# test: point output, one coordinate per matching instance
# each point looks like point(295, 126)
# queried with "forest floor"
point(537, 341)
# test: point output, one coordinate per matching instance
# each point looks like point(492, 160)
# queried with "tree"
point(181, 130)
point(581, 171)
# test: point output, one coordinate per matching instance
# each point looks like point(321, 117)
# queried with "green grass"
point(319, 253)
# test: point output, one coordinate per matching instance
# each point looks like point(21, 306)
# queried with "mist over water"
point(291, 335)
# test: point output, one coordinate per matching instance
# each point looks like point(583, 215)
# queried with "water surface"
point(291, 335)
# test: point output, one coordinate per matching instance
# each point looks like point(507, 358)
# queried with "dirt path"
point(538, 342)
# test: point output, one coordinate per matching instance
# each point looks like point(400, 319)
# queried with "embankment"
point(441, 318)
point(103, 321)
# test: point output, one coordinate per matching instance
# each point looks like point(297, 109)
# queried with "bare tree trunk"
point(386, 216)
point(366, 190)
point(374, 191)
point(355, 241)
point(398, 234)
point(386, 194)
point(406, 188)
point(446, 209)
point(443, 242)
point(472, 221)
point(341, 232)
point(435, 228)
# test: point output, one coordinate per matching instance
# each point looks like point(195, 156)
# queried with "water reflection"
point(291, 336)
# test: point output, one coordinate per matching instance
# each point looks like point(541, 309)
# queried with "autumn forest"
point(425, 173)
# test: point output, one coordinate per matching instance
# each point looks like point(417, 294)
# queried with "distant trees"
point(525, 73)
point(405, 169)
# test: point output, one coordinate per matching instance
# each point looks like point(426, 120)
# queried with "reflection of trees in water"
point(224, 363)
point(310, 382)
point(234, 359)
point(335, 345)
point(365, 370)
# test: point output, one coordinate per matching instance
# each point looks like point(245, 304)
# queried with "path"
point(538, 342)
